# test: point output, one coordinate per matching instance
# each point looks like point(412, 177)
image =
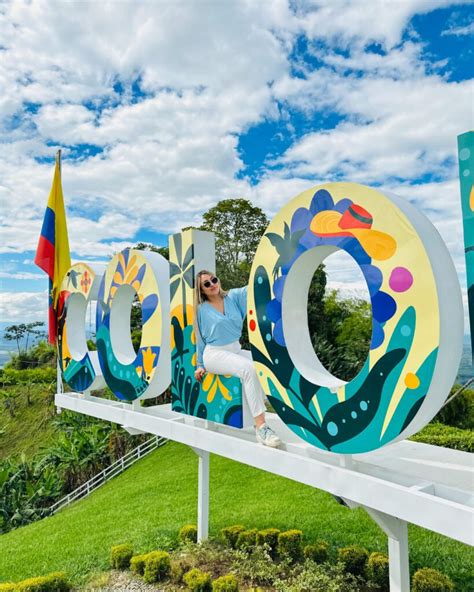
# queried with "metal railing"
point(109, 472)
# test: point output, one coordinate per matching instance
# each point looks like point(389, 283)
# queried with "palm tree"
point(182, 271)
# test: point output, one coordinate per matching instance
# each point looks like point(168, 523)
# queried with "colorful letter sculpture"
point(466, 178)
point(131, 375)
point(80, 368)
point(417, 321)
point(416, 326)
point(218, 398)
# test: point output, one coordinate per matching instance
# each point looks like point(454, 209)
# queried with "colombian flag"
point(52, 254)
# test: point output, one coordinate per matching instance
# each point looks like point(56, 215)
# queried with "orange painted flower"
point(148, 360)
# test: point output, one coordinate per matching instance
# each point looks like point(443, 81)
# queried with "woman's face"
point(212, 288)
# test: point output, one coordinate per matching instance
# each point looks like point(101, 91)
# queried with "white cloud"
point(459, 31)
point(24, 307)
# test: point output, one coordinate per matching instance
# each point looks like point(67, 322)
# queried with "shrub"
point(431, 580)
point(258, 567)
point(225, 584)
point(54, 582)
point(439, 434)
point(137, 564)
point(290, 544)
point(459, 412)
point(157, 566)
point(7, 587)
point(188, 533)
point(319, 578)
point(317, 552)
point(247, 539)
point(377, 570)
point(354, 559)
point(268, 536)
point(120, 556)
point(230, 534)
point(198, 581)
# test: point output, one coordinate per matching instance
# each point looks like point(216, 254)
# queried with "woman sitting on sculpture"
point(218, 327)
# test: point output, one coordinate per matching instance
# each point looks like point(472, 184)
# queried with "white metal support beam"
point(398, 551)
point(397, 533)
point(203, 494)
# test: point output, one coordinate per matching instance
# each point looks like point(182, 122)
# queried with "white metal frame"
point(405, 482)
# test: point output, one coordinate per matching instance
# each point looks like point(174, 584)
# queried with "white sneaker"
point(267, 437)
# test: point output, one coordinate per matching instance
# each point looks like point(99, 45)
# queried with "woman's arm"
point(199, 344)
point(240, 297)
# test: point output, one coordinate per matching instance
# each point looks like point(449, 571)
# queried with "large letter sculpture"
point(79, 366)
point(218, 398)
point(131, 375)
point(417, 318)
point(417, 322)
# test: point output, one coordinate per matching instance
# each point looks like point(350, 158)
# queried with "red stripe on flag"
point(45, 256)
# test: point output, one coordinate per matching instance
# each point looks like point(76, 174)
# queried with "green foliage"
point(439, 434)
point(7, 587)
point(10, 376)
point(269, 536)
point(137, 564)
point(312, 577)
point(188, 533)
point(317, 552)
point(226, 583)
point(459, 412)
point(157, 566)
point(247, 539)
point(55, 582)
point(238, 226)
point(341, 334)
point(290, 544)
point(354, 559)
point(377, 570)
point(120, 556)
point(22, 334)
point(431, 580)
point(230, 534)
point(197, 580)
point(258, 567)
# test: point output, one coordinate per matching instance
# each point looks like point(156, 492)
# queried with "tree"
point(238, 226)
point(22, 331)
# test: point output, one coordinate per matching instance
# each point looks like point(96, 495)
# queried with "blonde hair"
point(200, 297)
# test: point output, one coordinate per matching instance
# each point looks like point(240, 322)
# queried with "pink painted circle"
point(400, 280)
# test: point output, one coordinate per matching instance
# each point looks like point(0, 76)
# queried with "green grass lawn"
point(158, 495)
point(30, 428)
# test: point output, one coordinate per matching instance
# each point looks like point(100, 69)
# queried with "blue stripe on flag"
point(48, 228)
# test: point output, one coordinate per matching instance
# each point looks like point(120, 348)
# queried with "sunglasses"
point(208, 284)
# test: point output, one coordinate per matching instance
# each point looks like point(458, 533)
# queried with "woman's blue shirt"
point(217, 328)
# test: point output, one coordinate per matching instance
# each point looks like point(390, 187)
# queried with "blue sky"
point(164, 109)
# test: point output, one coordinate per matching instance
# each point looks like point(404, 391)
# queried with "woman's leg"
point(222, 361)
point(255, 398)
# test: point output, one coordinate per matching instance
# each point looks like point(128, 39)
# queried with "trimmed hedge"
point(120, 556)
point(317, 552)
point(230, 534)
point(157, 566)
point(7, 587)
point(226, 583)
point(290, 544)
point(431, 580)
point(198, 581)
point(54, 582)
point(188, 533)
point(268, 536)
point(247, 539)
point(354, 559)
point(439, 434)
point(377, 570)
point(137, 564)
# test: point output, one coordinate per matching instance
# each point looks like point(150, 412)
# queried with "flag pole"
point(59, 377)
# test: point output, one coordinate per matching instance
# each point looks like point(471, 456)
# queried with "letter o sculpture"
point(79, 366)
point(128, 374)
point(417, 318)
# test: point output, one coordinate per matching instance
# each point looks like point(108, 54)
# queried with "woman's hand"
point(199, 373)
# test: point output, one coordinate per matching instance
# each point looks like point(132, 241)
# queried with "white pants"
point(232, 359)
